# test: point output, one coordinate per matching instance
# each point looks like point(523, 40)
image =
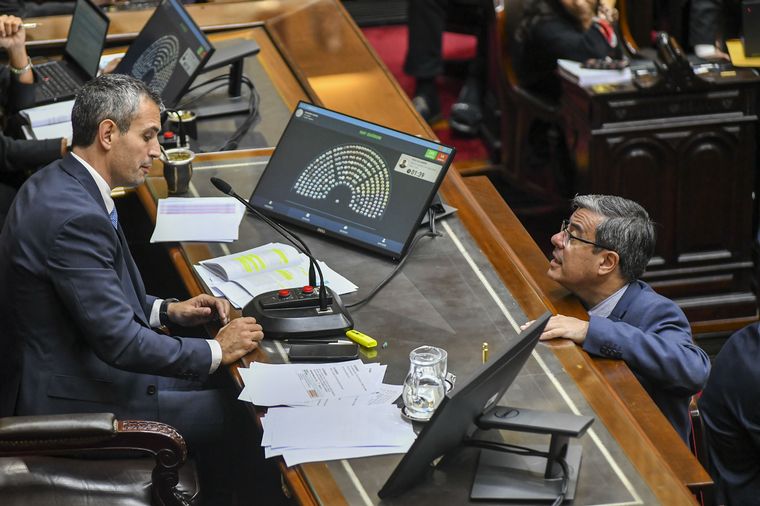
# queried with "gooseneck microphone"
point(224, 187)
point(295, 313)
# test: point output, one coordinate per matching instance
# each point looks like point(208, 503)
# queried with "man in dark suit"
point(730, 407)
point(599, 254)
point(77, 326)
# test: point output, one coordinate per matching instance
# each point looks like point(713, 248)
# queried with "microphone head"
point(221, 185)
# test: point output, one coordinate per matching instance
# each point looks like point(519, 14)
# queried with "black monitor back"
point(457, 414)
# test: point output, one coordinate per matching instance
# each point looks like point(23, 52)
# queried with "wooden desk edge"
point(607, 377)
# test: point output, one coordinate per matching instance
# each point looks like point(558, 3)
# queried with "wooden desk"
point(331, 63)
point(689, 158)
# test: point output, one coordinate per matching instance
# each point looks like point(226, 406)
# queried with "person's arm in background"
point(17, 92)
point(562, 39)
point(705, 21)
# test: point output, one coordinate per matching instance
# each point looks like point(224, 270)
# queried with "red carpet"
point(390, 43)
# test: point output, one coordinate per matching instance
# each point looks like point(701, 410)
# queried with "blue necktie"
point(114, 218)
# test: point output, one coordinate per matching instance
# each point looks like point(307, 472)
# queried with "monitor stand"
point(233, 53)
point(510, 477)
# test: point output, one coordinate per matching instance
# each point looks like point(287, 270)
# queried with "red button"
point(284, 294)
point(168, 135)
point(307, 289)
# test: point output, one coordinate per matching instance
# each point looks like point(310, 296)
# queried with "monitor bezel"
point(376, 249)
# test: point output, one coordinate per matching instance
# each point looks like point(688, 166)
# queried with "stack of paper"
point(340, 410)
point(274, 266)
point(207, 219)
point(590, 77)
point(50, 121)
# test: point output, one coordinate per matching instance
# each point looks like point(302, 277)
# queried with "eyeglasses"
point(568, 235)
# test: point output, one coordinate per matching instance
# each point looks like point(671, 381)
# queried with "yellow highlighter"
point(361, 339)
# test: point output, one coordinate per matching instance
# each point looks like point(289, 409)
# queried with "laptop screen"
point(351, 179)
point(168, 52)
point(87, 35)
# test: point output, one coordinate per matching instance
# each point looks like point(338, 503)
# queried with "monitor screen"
point(455, 418)
point(168, 53)
point(351, 179)
point(87, 35)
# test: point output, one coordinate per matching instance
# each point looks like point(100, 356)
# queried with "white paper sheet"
point(335, 432)
point(285, 384)
point(206, 219)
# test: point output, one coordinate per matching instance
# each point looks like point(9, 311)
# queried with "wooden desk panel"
point(606, 387)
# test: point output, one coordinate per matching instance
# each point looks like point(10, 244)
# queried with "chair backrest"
point(88, 457)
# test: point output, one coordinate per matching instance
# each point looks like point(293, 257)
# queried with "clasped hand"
point(11, 34)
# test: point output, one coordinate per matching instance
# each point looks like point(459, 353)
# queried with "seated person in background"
point(730, 407)
point(17, 157)
point(599, 254)
point(29, 9)
point(711, 23)
point(424, 62)
point(568, 29)
point(78, 328)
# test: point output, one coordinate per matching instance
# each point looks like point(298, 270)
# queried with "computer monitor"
point(456, 416)
point(351, 179)
point(87, 35)
point(168, 53)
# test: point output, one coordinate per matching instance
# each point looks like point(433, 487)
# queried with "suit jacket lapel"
point(621, 308)
point(131, 281)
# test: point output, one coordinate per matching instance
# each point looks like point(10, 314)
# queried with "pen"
point(484, 353)
point(361, 338)
point(30, 26)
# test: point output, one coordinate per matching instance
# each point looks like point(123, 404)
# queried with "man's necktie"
point(114, 218)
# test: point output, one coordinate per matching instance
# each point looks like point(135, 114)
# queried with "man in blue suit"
point(77, 326)
point(730, 407)
point(599, 254)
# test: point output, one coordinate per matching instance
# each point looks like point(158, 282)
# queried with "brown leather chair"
point(93, 459)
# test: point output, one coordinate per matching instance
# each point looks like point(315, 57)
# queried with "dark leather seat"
point(93, 459)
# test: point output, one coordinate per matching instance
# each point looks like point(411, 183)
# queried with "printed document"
point(206, 219)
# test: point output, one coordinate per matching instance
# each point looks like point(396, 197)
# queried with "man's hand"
point(199, 310)
point(566, 327)
point(239, 338)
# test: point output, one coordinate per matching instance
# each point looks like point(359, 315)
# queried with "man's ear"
point(107, 131)
point(609, 262)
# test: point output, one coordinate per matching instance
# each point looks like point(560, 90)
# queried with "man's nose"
point(155, 148)
point(558, 240)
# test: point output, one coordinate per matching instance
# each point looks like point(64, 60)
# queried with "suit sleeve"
point(705, 20)
point(18, 155)
point(82, 268)
point(661, 349)
point(563, 40)
point(22, 155)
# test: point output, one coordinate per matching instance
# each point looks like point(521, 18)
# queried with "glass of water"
point(424, 386)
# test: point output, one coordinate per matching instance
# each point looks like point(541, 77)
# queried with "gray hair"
point(625, 228)
point(109, 96)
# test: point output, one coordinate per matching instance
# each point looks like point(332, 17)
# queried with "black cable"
point(254, 102)
point(528, 452)
point(373, 292)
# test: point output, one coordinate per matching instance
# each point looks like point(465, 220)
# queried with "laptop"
point(168, 53)
point(59, 80)
point(350, 179)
